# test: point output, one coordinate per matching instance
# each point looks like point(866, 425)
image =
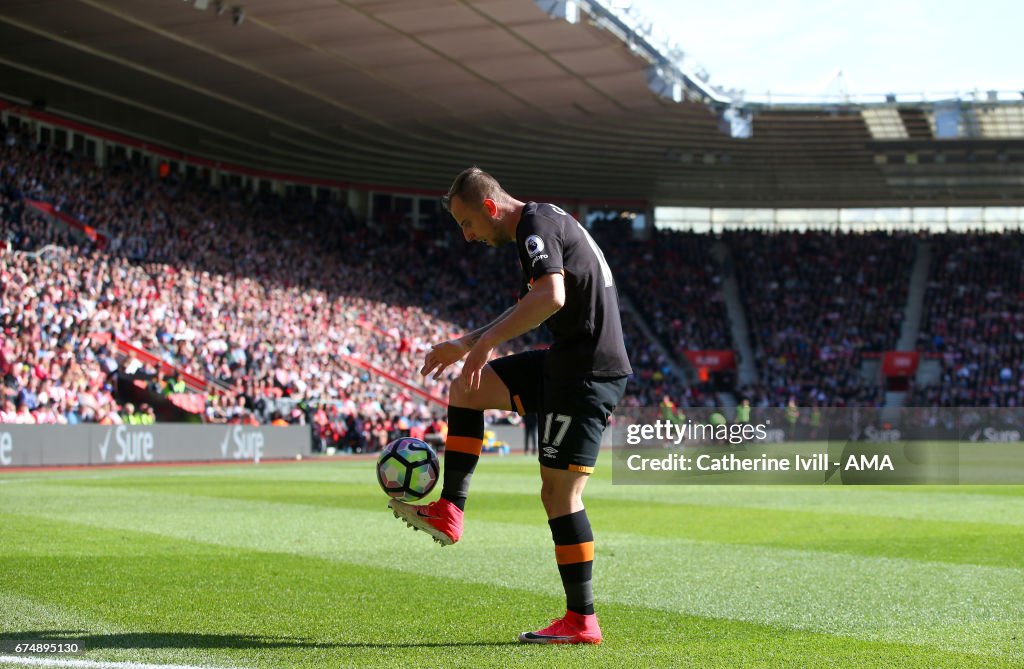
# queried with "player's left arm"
point(440, 356)
point(545, 298)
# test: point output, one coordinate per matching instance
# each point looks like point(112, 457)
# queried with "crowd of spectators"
point(269, 298)
point(655, 374)
point(972, 321)
point(272, 298)
point(265, 296)
point(51, 370)
point(674, 283)
point(671, 280)
point(816, 302)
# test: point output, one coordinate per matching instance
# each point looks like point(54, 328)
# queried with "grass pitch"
point(301, 565)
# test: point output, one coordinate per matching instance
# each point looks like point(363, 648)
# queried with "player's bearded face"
point(497, 236)
point(478, 224)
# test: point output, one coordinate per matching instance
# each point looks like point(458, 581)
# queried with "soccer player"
point(574, 386)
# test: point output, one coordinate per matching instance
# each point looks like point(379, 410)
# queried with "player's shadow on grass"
point(122, 640)
point(433, 644)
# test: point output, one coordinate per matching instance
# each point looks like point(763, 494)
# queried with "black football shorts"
point(573, 413)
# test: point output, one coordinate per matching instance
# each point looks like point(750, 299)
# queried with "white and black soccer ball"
point(408, 469)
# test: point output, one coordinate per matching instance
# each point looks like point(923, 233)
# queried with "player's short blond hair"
point(473, 186)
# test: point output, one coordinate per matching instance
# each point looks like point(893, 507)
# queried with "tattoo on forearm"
point(473, 337)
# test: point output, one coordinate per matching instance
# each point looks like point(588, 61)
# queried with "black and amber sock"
point(574, 552)
point(461, 453)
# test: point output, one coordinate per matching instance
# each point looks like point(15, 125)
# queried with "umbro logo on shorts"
point(550, 451)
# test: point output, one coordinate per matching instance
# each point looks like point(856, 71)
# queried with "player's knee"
point(546, 494)
point(558, 500)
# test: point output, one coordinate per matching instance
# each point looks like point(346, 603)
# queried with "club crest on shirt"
point(534, 246)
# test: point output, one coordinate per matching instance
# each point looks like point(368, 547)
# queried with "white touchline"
point(91, 664)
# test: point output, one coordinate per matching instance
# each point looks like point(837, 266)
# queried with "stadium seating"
point(816, 302)
point(287, 303)
point(254, 292)
point(973, 322)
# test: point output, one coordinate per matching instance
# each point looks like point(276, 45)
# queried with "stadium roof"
point(407, 92)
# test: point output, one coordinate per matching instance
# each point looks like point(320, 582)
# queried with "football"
point(407, 469)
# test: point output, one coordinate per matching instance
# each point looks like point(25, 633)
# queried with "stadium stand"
point(294, 309)
point(673, 283)
point(245, 291)
point(261, 295)
point(973, 322)
point(816, 302)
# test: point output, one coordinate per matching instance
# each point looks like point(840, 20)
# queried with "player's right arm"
point(443, 355)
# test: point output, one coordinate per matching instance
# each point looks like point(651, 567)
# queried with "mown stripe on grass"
point(91, 664)
point(292, 611)
point(959, 542)
point(959, 504)
point(25, 613)
point(906, 502)
point(964, 608)
point(31, 619)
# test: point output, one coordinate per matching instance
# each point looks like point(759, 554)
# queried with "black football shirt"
point(587, 330)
